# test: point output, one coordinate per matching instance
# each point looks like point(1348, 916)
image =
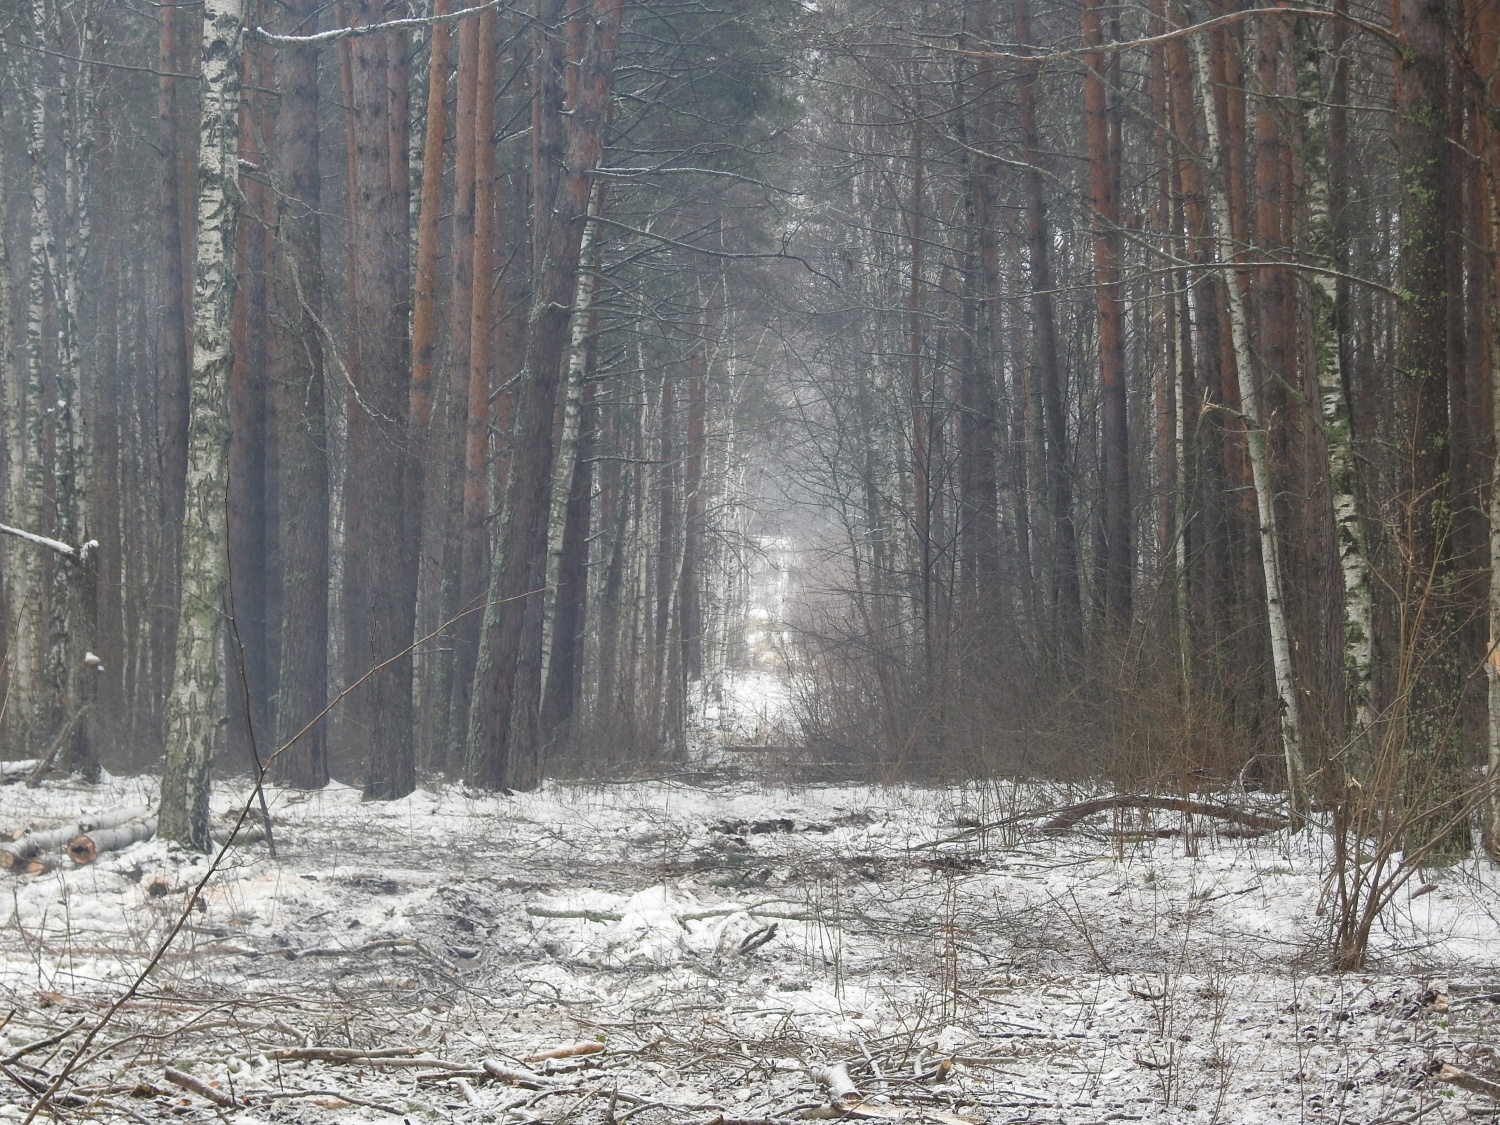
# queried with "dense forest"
point(394, 389)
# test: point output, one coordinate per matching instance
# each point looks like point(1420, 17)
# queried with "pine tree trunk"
point(456, 660)
point(1063, 565)
point(1434, 769)
point(428, 470)
point(380, 583)
point(504, 738)
point(1116, 564)
point(246, 638)
point(297, 382)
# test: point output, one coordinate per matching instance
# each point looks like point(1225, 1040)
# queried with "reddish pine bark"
point(504, 738)
point(1116, 564)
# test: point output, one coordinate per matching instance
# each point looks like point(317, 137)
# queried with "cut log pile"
point(84, 839)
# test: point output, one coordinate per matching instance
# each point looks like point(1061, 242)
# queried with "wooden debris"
point(331, 1099)
point(86, 848)
point(836, 1077)
point(201, 1088)
point(497, 1071)
point(868, 1110)
point(757, 939)
point(1473, 1083)
point(1066, 818)
point(572, 1050)
point(57, 1037)
point(361, 1056)
point(34, 844)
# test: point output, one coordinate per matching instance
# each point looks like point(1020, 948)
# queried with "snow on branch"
point(80, 553)
point(332, 36)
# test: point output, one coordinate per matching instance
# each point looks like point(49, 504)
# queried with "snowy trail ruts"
point(1071, 979)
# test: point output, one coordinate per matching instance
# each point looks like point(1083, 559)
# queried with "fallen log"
point(86, 848)
point(1066, 818)
point(497, 1071)
point(34, 844)
point(841, 1089)
point(16, 771)
point(201, 1088)
point(343, 1054)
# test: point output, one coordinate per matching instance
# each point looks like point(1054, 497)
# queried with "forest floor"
point(959, 974)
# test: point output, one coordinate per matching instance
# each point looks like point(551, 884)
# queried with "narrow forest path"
point(1069, 979)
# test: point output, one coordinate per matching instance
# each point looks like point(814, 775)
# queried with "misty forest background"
point(1116, 381)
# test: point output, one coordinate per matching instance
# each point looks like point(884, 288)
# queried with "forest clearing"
point(737, 562)
point(718, 943)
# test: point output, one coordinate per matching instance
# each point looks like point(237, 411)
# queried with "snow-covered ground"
point(719, 942)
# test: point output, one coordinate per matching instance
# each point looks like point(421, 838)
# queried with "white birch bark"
point(1255, 439)
point(1359, 599)
point(28, 661)
point(1337, 425)
point(1180, 512)
point(192, 710)
point(11, 573)
point(67, 676)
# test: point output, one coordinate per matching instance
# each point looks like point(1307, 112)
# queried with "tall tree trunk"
point(425, 520)
point(1434, 770)
point(1064, 563)
point(457, 659)
point(1333, 330)
point(475, 502)
point(1485, 50)
point(694, 529)
point(380, 583)
point(192, 712)
point(247, 637)
point(1291, 714)
point(572, 501)
point(503, 731)
point(297, 383)
point(1114, 451)
point(175, 345)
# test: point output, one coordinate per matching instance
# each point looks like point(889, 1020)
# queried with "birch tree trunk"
point(1327, 193)
point(12, 584)
point(1281, 649)
point(193, 708)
